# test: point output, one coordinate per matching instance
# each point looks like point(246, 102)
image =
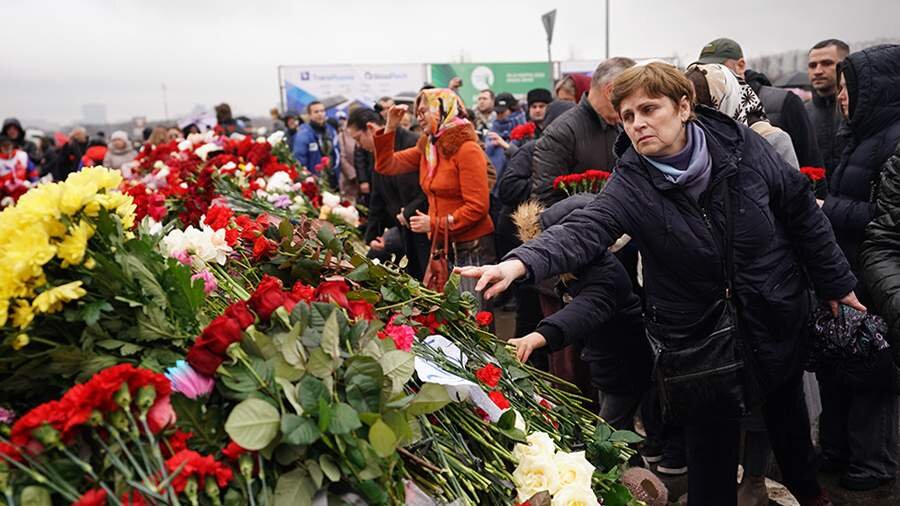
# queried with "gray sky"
point(62, 54)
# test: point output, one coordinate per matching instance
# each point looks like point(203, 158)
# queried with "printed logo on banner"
point(304, 76)
point(482, 77)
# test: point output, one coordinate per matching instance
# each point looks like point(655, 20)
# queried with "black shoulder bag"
point(701, 368)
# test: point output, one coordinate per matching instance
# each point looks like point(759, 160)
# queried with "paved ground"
point(887, 495)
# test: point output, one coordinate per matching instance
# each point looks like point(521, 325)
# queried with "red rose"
point(361, 309)
point(218, 216)
point(333, 291)
point(303, 292)
point(203, 360)
point(489, 375)
point(499, 399)
point(268, 297)
point(484, 318)
point(239, 313)
point(93, 497)
point(263, 247)
point(220, 334)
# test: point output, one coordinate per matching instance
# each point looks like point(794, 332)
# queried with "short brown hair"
point(656, 80)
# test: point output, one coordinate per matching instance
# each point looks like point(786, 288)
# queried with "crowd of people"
point(682, 294)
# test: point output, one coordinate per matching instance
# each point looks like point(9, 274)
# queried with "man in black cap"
point(537, 100)
point(784, 109)
point(505, 105)
point(291, 124)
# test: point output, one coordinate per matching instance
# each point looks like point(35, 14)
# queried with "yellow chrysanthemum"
point(90, 263)
point(53, 299)
point(99, 177)
point(75, 196)
point(22, 314)
point(71, 249)
point(4, 311)
point(20, 342)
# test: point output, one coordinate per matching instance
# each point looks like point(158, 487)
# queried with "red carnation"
point(177, 442)
point(233, 450)
point(9, 451)
point(333, 291)
point(218, 216)
point(239, 313)
point(193, 464)
point(499, 399)
point(484, 318)
point(267, 297)
point(813, 173)
point(489, 375)
point(93, 497)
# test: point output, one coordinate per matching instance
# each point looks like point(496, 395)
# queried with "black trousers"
point(713, 448)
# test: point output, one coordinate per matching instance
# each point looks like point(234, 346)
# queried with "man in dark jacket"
point(12, 128)
point(823, 111)
point(394, 199)
point(291, 125)
point(784, 109)
point(859, 419)
point(582, 138)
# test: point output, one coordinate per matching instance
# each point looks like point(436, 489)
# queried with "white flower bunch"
point(565, 476)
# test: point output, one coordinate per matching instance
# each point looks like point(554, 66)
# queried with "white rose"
point(331, 200)
point(535, 474)
point(229, 166)
point(204, 150)
point(185, 145)
point(573, 469)
point(349, 214)
point(575, 496)
point(279, 182)
point(539, 445)
point(276, 137)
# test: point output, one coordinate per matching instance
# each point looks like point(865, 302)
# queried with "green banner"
point(515, 78)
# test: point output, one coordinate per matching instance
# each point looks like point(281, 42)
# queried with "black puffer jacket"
point(780, 234)
point(873, 81)
point(514, 186)
point(579, 140)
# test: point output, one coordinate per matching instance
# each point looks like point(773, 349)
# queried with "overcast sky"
point(59, 55)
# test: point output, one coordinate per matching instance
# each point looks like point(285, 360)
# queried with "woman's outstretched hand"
point(526, 345)
point(493, 279)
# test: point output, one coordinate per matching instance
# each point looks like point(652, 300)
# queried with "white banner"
point(338, 86)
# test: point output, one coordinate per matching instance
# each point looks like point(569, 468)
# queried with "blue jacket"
point(308, 147)
point(503, 127)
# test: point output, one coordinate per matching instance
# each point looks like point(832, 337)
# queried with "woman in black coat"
point(668, 194)
point(858, 428)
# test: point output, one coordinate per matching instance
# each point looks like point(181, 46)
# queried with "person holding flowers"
point(453, 173)
point(728, 233)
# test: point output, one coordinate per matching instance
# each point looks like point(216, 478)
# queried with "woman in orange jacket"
point(453, 173)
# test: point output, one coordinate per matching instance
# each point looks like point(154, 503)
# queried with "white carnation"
point(349, 214)
point(279, 182)
point(276, 137)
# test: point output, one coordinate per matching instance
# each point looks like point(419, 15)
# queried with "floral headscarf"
point(729, 96)
point(447, 111)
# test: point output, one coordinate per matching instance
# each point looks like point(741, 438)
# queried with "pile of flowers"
point(590, 181)
point(565, 476)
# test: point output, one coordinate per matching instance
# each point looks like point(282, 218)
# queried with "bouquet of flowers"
point(591, 181)
point(816, 176)
point(80, 292)
point(524, 132)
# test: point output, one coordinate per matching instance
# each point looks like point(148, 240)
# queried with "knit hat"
point(119, 134)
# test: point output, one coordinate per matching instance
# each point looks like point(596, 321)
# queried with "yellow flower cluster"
point(53, 221)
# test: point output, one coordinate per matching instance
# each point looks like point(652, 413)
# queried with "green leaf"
point(325, 413)
point(92, 311)
point(363, 379)
point(399, 366)
point(431, 397)
point(625, 436)
point(299, 430)
point(294, 488)
point(290, 393)
point(360, 274)
point(507, 420)
point(617, 495)
point(399, 424)
point(329, 468)
point(344, 419)
point(602, 432)
point(291, 349)
point(331, 337)
point(382, 439)
point(253, 424)
point(389, 295)
point(34, 495)
point(311, 390)
point(320, 364)
point(315, 472)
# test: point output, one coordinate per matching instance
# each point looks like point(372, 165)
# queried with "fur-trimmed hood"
point(449, 143)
